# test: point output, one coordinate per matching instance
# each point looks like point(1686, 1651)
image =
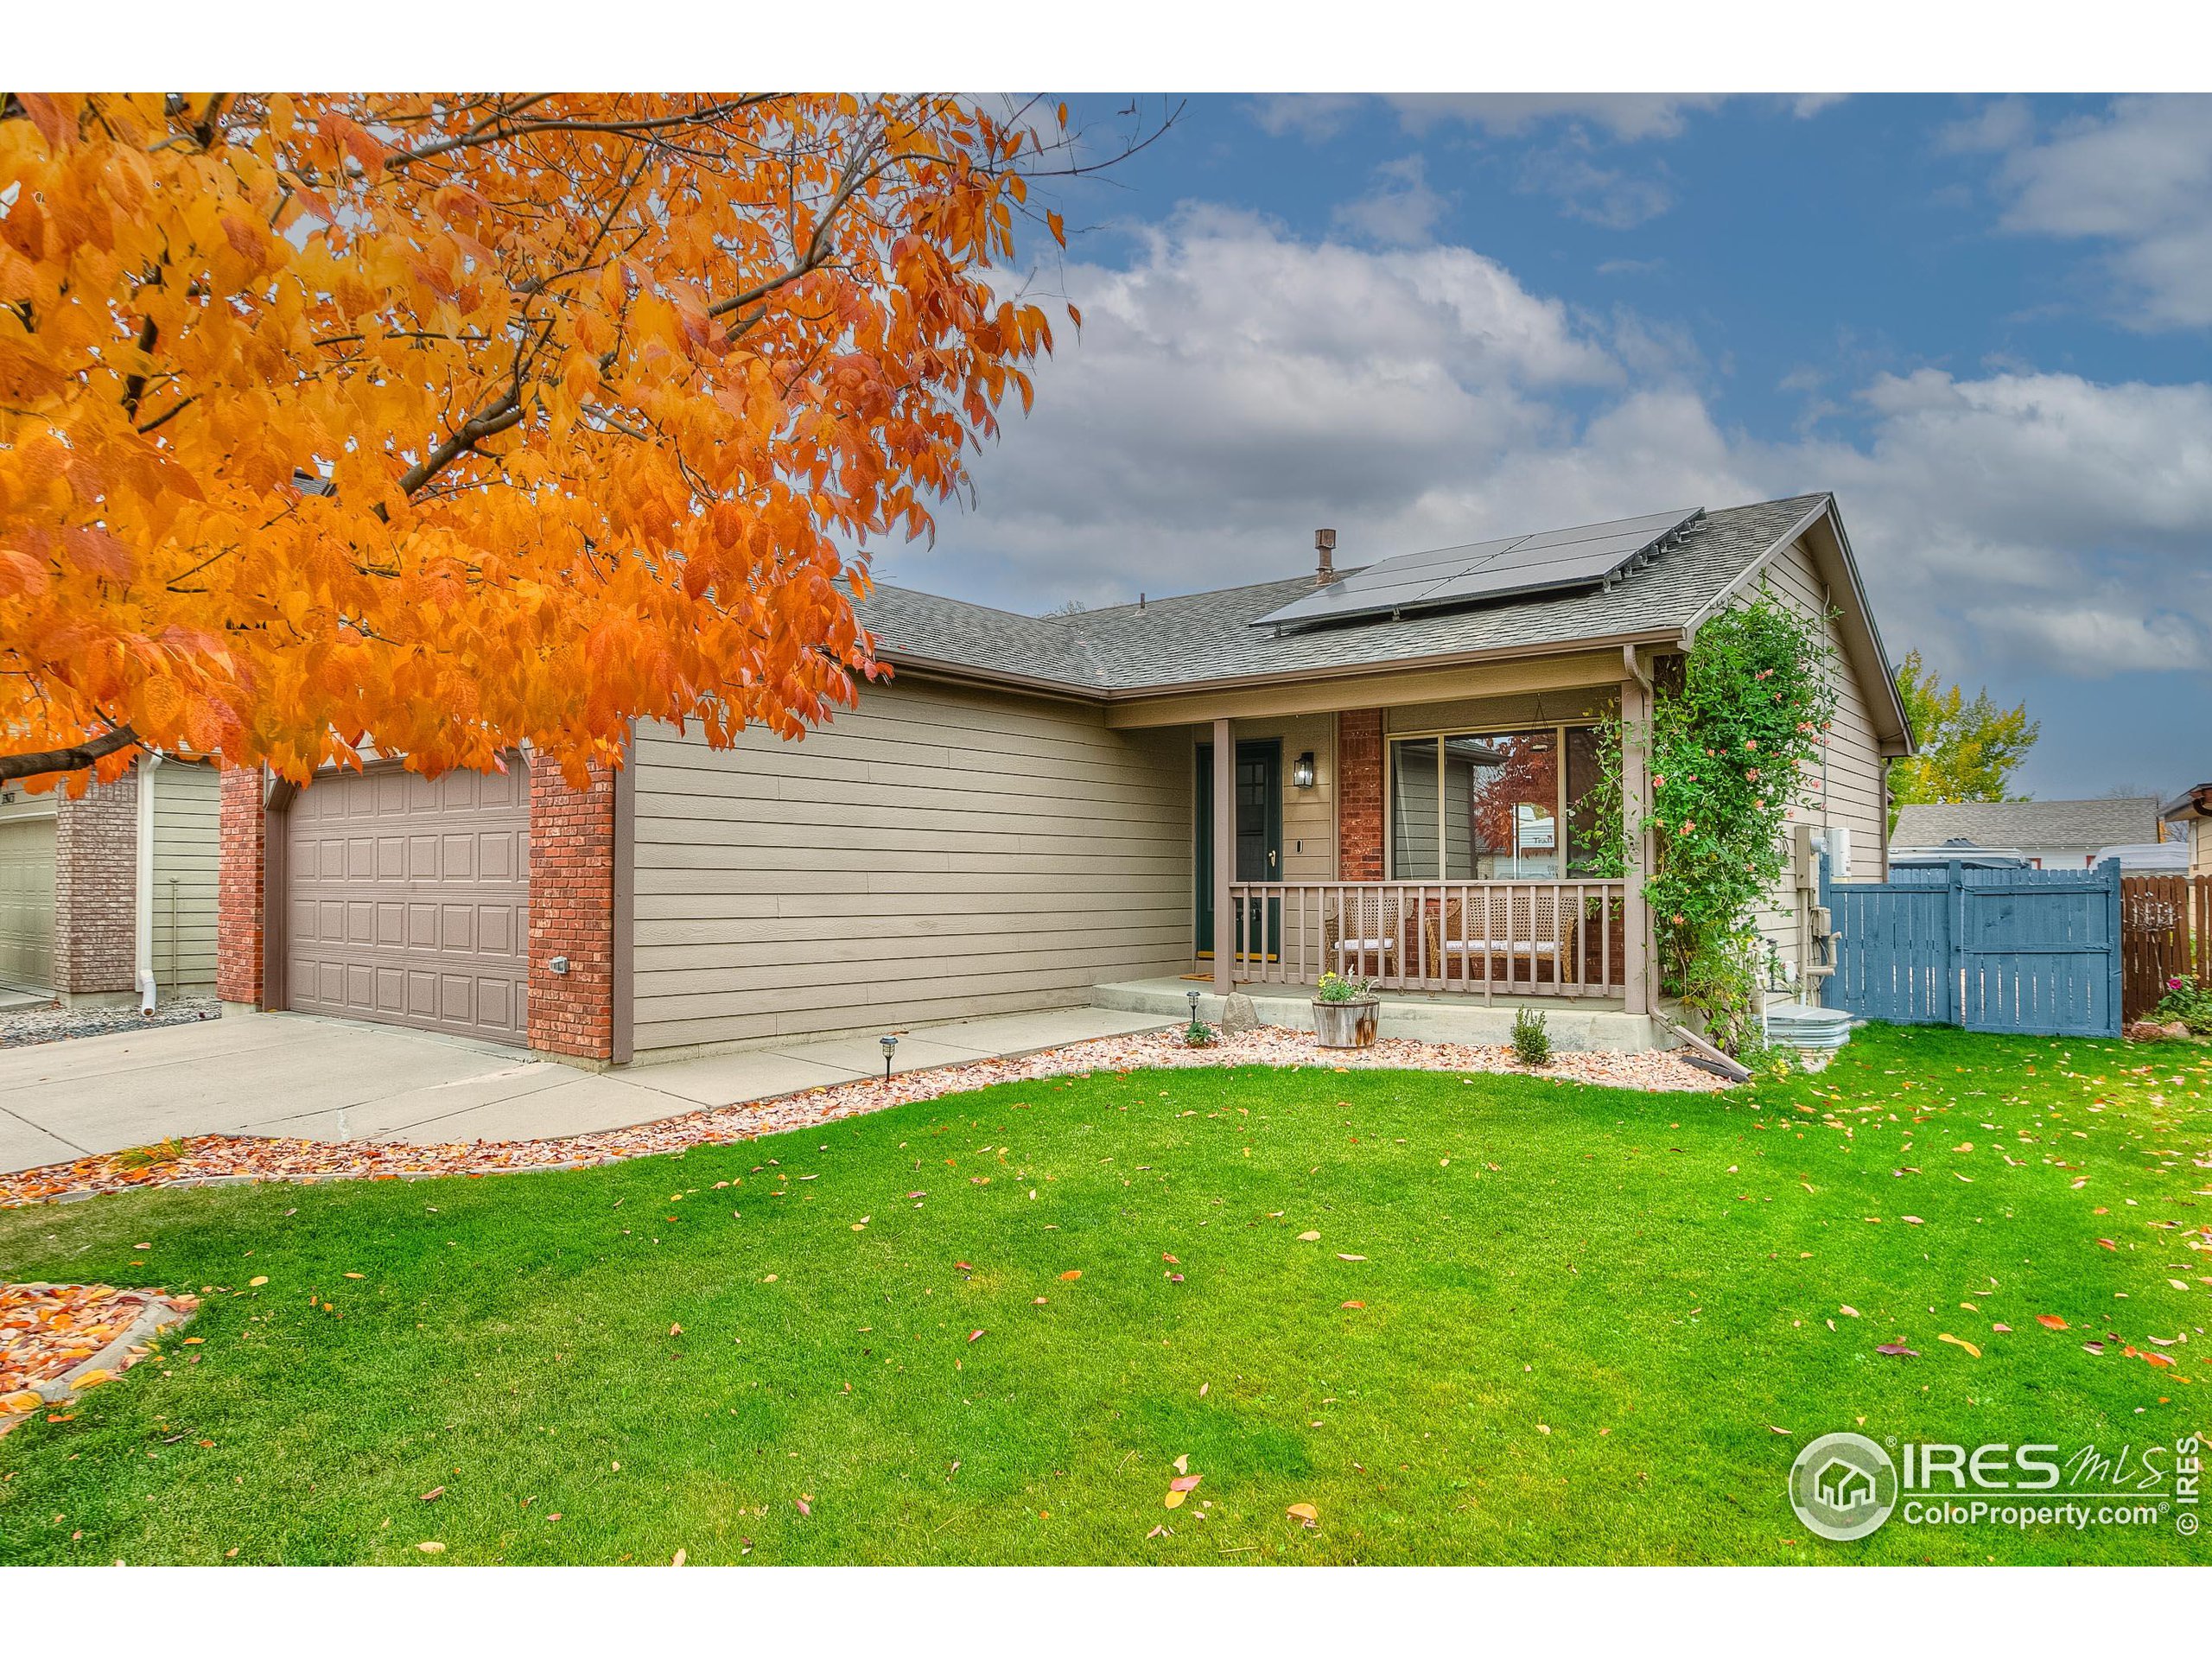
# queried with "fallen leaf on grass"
point(259, 1278)
point(1351, 1304)
point(1776, 1429)
point(805, 1507)
point(1072, 1273)
point(1341, 1256)
point(1958, 1342)
point(974, 1336)
point(431, 1546)
point(1895, 1350)
point(2092, 1347)
point(2051, 1321)
point(1175, 1498)
point(2107, 1244)
point(433, 1495)
point(675, 1330)
point(356, 1276)
point(680, 1558)
point(1307, 1237)
point(1847, 1310)
point(1912, 1221)
point(1305, 1514)
point(1185, 1482)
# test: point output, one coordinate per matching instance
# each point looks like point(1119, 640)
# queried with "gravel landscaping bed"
point(52, 1023)
point(57, 1340)
point(210, 1159)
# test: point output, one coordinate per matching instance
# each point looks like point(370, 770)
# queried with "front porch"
point(1439, 834)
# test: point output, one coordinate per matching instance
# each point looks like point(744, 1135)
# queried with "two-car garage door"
point(409, 900)
point(27, 902)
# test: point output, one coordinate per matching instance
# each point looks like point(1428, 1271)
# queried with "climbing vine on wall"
point(1738, 731)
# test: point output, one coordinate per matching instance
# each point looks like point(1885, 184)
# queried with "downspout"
point(149, 764)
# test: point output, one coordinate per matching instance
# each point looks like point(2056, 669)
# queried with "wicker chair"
point(1366, 934)
point(1526, 929)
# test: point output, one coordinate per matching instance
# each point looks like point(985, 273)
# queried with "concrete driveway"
point(292, 1074)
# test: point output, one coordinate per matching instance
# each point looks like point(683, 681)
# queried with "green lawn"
point(1585, 1314)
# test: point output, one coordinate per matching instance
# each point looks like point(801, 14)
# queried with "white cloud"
point(1235, 386)
point(1625, 116)
point(2138, 178)
point(1614, 197)
point(1399, 207)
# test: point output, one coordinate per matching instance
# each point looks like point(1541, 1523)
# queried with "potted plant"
point(1344, 1012)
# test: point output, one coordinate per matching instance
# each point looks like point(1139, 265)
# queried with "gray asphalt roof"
point(2029, 826)
point(1209, 636)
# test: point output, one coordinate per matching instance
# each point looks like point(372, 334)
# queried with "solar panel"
point(1492, 569)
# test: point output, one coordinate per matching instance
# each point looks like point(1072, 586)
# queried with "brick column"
point(240, 885)
point(571, 914)
point(96, 893)
point(1359, 795)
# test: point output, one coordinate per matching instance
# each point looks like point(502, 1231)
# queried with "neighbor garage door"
point(410, 900)
point(27, 903)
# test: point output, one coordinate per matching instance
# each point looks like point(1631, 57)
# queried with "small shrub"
point(1532, 1043)
point(2190, 1002)
point(1198, 1034)
point(1340, 987)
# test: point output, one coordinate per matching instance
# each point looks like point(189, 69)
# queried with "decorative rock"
point(2149, 1031)
point(1238, 1015)
point(215, 1157)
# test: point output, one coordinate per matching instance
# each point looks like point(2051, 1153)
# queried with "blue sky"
point(1987, 324)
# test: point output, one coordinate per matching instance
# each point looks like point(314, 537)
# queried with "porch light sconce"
point(889, 1045)
point(1301, 771)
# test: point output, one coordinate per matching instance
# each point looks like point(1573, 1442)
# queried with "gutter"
point(968, 674)
point(143, 946)
point(1702, 1054)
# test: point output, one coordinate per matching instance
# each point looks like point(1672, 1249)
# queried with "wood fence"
point(2165, 933)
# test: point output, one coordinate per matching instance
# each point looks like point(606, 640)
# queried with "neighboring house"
point(1031, 807)
point(2192, 810)
point(98, 892)
point(2049, 835)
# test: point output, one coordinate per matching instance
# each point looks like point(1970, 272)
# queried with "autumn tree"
point(440, 425)
point(1968, 748)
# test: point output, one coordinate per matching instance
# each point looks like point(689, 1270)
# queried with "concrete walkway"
point(292, 1074)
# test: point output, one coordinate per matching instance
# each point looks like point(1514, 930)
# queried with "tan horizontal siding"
point(1852, 794)
point(187, 850)
point(935, 853)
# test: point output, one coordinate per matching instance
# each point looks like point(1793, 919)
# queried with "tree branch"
point(13, 766)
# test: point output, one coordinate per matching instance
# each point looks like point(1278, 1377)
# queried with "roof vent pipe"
point(1325, 543)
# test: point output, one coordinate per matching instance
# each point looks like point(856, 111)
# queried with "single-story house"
point(2049, 835)
point(2192, 811)
point(1385, 769)
point(99, 892)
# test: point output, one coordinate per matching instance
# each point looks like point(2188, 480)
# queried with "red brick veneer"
point(572, 914)
point(239, 888)
point(96, 889)
point(1359, 795)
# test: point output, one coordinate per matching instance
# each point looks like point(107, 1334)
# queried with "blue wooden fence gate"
point(2020, 951)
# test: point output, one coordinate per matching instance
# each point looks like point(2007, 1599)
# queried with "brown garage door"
point(410, 900)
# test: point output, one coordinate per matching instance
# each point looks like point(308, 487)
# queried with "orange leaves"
point(513, 424)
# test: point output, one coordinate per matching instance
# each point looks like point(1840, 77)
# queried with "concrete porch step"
point(1424, 1017)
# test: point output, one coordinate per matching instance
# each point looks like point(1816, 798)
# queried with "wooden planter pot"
point(1345, 1025)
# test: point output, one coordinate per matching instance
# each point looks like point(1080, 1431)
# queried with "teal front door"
point(1258, 782)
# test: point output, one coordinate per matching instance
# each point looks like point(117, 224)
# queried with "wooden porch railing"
point(1524, 938)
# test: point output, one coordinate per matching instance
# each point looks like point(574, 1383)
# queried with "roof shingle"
point(1202, 636)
